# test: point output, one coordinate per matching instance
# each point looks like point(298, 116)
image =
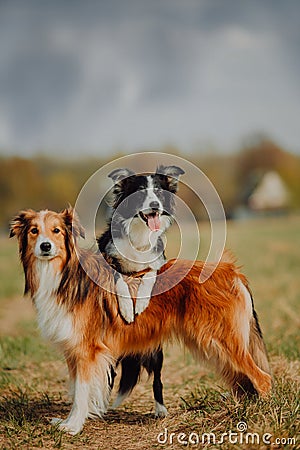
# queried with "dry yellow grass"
point(33, 377)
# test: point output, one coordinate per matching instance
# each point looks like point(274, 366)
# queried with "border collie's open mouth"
point(152, 220)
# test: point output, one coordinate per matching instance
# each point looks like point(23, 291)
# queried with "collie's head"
point(146, 198)
point(45, 235)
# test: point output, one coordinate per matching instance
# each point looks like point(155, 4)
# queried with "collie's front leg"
point(80, 408)
point(91, 380)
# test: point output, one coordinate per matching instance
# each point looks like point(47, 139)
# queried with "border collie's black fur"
point(143, 206)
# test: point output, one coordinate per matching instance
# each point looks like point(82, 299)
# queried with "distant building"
point(271, 194)
point(263, 195)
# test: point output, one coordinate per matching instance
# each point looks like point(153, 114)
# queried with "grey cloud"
point(99, 74)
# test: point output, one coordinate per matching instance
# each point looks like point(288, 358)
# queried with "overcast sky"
point(100, 76)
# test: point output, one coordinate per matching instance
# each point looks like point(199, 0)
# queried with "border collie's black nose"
point(154, 205)
point(45, 246)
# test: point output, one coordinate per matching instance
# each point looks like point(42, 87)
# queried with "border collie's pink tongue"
point(153, 222)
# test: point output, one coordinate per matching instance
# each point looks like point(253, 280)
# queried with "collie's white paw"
point(67, 426)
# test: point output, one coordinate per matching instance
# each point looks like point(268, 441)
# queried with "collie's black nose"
point(154, 205)
point(45, 247)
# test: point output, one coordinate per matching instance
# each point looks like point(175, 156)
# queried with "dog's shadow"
point(129, 417)
point(19, 409)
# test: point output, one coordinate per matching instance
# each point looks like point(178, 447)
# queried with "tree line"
point(44, 182)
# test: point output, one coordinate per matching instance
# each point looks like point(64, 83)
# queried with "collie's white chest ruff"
point(54, 321)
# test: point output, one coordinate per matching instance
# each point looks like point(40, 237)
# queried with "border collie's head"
point(147, 197)
point(45, 234)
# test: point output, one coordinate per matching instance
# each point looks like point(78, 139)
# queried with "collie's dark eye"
point(34, 230)
point(56, 230)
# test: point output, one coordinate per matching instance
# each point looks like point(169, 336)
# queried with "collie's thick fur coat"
point(215, 320)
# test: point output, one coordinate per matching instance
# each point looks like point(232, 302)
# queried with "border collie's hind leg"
point(131, 369)
point(154, 363)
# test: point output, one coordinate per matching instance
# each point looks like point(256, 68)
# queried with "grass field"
point(33, 377)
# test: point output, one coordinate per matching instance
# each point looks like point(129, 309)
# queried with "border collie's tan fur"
point(215, 320)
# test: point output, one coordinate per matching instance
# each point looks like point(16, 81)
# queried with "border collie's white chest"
point(137, 249)
point(54, 321)
point(134, 260)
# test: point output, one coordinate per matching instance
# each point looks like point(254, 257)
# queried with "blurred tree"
point(21, 186)
point(44, 182)
point(259, 152)
point(61, 189)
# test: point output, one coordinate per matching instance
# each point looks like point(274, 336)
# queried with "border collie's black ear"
point(172, 173)
point(118, 175)
point(72, 222)
point(18, 223)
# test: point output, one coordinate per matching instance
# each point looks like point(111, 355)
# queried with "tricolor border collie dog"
point(142, 210)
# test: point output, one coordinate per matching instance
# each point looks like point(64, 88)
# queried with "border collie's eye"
point(34, 230)
point(56, 230)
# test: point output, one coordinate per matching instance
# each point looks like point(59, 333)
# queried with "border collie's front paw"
point(144, 291)
point(126, 309)
point(141, 304)
point(124, 300)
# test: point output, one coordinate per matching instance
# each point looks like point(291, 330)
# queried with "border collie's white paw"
point(126, 308)
point(160, 410)
point(141, 304)
point(125, 300)
point(144, 291)
point(120, 398)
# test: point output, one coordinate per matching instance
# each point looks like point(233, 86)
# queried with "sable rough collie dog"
point(142, 211)
point(215, 319)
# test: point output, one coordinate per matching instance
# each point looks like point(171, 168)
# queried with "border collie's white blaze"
point(82, 318)
point(143, 206)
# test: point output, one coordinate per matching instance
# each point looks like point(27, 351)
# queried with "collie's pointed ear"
point(72, 222)
point(172, 173)
point(19, 222)
point(118, 175)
